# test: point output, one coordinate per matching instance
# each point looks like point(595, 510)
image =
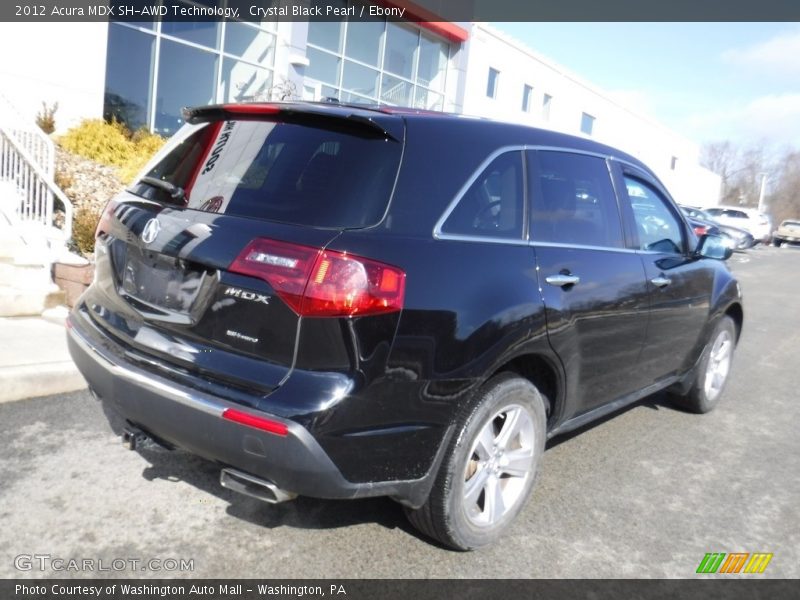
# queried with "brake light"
point(323, 283)
point(701, 229)
point(252, 109)
point(243, 418)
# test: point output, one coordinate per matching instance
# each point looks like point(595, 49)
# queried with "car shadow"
point(302, 512)
point(176, 465)
point(311, 513)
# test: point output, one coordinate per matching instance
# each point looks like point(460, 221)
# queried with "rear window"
point(279, 172)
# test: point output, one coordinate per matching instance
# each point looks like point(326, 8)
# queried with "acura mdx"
point(340, 302)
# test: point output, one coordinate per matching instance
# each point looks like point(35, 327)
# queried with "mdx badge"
point(150, 231)
point(245, 295)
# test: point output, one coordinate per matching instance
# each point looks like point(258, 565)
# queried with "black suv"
point(341, 302)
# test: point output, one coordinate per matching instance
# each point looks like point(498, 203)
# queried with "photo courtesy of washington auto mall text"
point(178, 590)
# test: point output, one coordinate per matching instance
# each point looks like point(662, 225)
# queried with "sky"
point(707, 81)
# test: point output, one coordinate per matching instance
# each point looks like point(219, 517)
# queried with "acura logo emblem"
point(150, 231)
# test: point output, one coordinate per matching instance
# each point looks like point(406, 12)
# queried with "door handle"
point(562, 279)
point(661, 281)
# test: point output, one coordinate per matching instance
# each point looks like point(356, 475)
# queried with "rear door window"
point(573, 201)
point(279, 172)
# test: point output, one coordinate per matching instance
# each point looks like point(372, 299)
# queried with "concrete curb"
point(34, 359)
point(32, 381)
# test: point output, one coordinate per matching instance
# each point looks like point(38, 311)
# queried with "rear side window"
point(573, 201)
point(493, 205)
point(280, 172)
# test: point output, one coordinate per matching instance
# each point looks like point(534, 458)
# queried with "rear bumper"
point(192, 420)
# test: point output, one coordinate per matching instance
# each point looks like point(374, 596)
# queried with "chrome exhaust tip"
point(254, 487)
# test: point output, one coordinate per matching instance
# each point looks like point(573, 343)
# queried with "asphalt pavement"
point(646, 493)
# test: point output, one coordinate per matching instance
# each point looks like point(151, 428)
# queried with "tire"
point(477, 463)
point(713, 370)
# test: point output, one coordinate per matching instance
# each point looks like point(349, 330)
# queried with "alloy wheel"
point(499, 465)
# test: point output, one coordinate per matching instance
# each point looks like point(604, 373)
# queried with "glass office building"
point(377, 61)
point(155, 69)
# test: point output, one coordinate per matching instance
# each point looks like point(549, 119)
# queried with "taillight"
point(701, 229)
point(285, 267)
point(323, 283)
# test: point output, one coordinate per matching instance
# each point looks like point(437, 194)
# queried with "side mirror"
point(714, 246)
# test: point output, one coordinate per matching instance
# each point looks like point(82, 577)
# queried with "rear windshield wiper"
point(175, 192)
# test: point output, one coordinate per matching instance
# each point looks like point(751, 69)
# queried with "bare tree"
point(784, 199)
point(740, 168)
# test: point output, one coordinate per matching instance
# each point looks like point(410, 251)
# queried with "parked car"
point(755, 223)
point(341, 302)
point(703, 223)
point(742, 240)
point(787, 233)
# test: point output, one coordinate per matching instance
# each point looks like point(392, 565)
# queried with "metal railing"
point(27, 160)
point(35, 188)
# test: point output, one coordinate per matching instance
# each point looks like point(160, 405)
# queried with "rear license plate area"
point(164, 281)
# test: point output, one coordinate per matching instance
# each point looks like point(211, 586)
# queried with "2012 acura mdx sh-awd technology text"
point(341, 302)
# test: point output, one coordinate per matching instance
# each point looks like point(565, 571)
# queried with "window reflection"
point(396, 91)
point(324, 34)
point(360, 79)
point(179, 86)
point(184, 75)
point(129, 76)
point(410, 65)
point(252, 44)
point(401, 46)
point(428, 100)
point(322, 66)
point(242, 82)
point(364, 41)
point(432, 63)
point(204, 33)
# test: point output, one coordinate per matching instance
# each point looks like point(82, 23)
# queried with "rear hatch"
point(209, 260)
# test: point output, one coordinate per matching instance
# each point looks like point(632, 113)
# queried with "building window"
point(129, 76)
point(673, 163)
point(376, 61)
point(547, 101)
point(527, 94)
point(491, 84)
point(179, 86)
point(364, 42)
point(587, 123)
point(152, 71)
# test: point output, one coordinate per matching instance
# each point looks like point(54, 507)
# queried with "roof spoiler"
point(328, 117)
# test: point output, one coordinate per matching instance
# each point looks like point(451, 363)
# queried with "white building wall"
point(614, 124)
point(54, 62)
